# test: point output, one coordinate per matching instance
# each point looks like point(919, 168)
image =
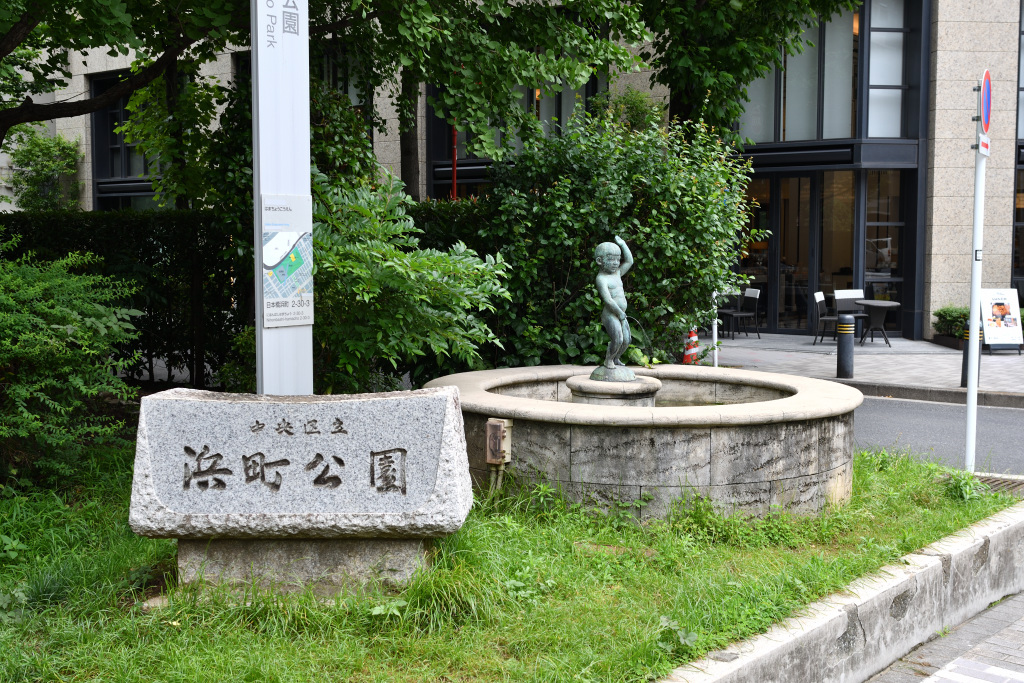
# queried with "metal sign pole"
point(974, 343)
point(282, 209)
point(714, 333)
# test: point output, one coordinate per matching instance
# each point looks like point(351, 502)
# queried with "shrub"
point(45, 174)
point(183, 265)
point(58, 332)
point(676, 195)
point(382, 302)
point(952, 320)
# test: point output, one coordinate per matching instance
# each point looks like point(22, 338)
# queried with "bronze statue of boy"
point(614, 260)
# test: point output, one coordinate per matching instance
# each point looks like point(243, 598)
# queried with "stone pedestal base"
point(290, 564)
point(639, 392)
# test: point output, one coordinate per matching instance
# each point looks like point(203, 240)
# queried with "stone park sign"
point(300, 489)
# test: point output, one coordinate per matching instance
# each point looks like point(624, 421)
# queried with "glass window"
point(119, 167)
point(883, 276)
point(800, 96)
point(836, 247)
point(830, 52)
point(1020, 109)
point(1018, 228)
point(840, 97)
point(754, 261)
point(758, 119)
point(885, 70)
point(883, 201)
point(885, 113)
point(887, 14)
point(886, 58)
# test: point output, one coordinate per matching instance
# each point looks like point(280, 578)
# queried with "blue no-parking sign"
point(986, 101)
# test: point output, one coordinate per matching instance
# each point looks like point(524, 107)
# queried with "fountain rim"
point(809, 398)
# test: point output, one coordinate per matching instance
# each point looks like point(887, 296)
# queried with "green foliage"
point(192, 295)
point(480, 54)
point(952, 321)
point(676, 196)
point(174, 132)
point(58, 333)
point(707, 53)
point(964, 486)
point(41, 36)
point(45, 171)
point(381, 301)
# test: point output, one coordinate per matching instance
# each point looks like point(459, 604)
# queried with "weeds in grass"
point(533, 587)
point(964, 486)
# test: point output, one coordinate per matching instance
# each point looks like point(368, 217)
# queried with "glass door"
point(793, 241)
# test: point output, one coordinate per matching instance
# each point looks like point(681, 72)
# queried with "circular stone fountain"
point(746, 440)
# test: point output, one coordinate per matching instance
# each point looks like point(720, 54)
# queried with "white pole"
point(714, 333)
point(974, 343)
point(280, 121)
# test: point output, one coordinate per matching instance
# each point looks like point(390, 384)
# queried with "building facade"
point(863, 169)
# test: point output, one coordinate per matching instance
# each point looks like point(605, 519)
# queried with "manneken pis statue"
point(614, 261)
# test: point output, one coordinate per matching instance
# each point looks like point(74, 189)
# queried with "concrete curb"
point(853, 635)
point(998, 399)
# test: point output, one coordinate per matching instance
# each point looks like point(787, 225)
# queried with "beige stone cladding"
point(969, 36)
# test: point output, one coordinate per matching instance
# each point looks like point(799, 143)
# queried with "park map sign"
point(287, 261)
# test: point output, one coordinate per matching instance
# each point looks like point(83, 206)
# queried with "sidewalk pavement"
point(988, 648)
point(909, 369)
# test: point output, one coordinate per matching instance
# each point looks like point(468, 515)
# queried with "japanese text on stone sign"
point(206, 470)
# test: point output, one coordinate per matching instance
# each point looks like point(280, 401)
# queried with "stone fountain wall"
point(762, 441)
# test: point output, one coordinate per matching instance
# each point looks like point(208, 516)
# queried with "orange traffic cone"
point(690, 355)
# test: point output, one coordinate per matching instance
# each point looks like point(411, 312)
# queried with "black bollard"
point(963, 365)
point(844, 335)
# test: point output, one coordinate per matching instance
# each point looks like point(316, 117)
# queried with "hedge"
point(195, 290)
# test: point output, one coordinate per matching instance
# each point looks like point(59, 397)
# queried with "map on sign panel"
point(287, 260)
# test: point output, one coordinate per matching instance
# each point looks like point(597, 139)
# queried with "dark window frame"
point(112, 190)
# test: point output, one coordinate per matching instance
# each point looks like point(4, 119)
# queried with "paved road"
point(937, 431)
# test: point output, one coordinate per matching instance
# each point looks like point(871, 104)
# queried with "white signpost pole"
point(974, 343)
point(282, 204)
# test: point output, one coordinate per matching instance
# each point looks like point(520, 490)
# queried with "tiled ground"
point(918, 363)
point(986, 649)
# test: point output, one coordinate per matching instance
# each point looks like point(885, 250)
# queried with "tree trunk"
point(408, 137)
point(197, 317)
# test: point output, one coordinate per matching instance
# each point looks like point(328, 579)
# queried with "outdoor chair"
point(823, 318)
point(845, 305)
point(729, 307)
point(747, 311)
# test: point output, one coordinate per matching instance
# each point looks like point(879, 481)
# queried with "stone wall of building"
point(967, 38)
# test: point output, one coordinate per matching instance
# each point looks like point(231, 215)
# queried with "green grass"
point(530, 589)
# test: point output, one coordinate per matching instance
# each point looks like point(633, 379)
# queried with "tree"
point(708, 51)
point(478, 52)
point(37, 36)
point(45, 174)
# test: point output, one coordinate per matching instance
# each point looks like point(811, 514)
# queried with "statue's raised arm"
point(627, 256)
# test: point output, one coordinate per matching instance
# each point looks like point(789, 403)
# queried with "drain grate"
point(1012, 485)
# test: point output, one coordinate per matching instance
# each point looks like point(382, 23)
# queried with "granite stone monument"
point(328, 490)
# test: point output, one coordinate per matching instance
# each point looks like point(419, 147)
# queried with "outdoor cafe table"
point(876, 310)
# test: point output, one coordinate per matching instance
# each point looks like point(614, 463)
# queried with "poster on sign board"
point(1000, 316)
